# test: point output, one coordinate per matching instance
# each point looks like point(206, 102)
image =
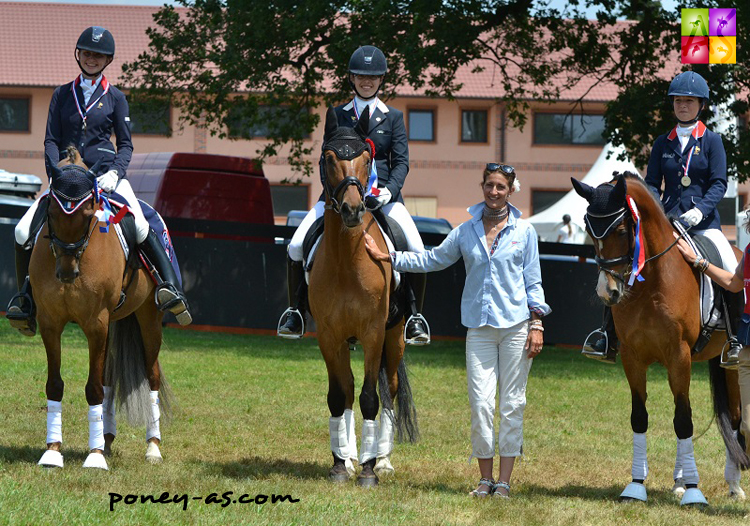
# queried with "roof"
point(38, 42)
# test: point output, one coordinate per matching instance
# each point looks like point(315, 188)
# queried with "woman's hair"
point(511, 177)
point(746, 224)
point(566, 222)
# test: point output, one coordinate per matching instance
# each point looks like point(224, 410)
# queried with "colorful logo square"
point(694, 50)
point(694, 22)
point(722, 22)
point(722, 50)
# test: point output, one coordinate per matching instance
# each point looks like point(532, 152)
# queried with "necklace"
point(489, 213)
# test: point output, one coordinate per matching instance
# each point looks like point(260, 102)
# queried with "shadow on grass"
point(31, 455)
point(262, 468)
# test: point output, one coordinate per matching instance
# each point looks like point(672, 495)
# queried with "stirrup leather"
point(290, 336)
point(413, 341)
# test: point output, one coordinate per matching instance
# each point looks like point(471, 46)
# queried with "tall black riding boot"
point(169, 296)
point(735, 304)
point(21, 309)
point(292, 321)
point(604, 348)
point(417, 331)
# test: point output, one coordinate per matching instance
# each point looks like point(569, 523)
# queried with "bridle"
point(74, 249)
point(346, 147)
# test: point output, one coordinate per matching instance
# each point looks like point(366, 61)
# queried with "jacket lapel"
point(376, 119)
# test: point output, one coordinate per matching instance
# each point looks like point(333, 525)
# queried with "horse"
point(82, 276)
point(349, 298)
point(657, 320)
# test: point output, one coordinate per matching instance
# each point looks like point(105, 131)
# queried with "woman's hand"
point(374, 251)
point(534, 342)
point(685, 250)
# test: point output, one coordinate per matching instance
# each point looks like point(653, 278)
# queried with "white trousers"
point(496, 361)
point(728, 259)
point(123, 188)
point(397, 211)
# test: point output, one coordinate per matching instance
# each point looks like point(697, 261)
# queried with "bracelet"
point(536, 328)
point(697, 262)
point(701, 264)
point(704, 265)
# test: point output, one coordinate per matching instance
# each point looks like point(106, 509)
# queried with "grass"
point(252, 419)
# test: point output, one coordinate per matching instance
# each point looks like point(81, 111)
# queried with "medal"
point(685, 181)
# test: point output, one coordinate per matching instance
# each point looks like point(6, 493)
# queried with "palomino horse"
point(658, 320)
point(349, 297)
point(80, 275)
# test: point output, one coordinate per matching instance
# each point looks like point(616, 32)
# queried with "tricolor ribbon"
point(105, 88)
point(639, 255)
point(106, 216)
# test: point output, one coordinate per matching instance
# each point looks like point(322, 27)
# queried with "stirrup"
point(289, 335)
point(167, 297)
point(588, 347)
point(24, 322)
point(420, 340)
point(727, 362)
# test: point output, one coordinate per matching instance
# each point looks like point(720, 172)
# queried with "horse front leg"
point(51, 331)
point(369, 404)
point(635, 371)
point(340, 400)
point(96, 332)
point(394, 352)
point(149, 319)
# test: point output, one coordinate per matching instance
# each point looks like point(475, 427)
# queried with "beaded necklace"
point(490, 213)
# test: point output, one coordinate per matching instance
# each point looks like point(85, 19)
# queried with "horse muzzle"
point(609, 290)
point(67, 273)
point(352, 216)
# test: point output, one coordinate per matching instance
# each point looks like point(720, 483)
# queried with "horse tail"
point(407, 427)
point(720, 395)
point(125, 373)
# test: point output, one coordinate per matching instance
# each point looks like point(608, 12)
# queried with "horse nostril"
point(615, 295)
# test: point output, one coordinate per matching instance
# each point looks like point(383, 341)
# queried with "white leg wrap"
point(54, 421)
point(96, 427)
point(731, 470)
point(351, 434)
point(339, 439)
point(369, 448)
point(108, 412)
point(689, 469)
point(677, 474)
point(639, 470)
point(385, 440)
point(152, 428)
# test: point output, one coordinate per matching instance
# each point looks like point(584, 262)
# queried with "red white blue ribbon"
point(107, 216)
point(639, 254)
point(83, 113)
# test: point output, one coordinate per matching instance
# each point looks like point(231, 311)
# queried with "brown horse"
point(80, 275)
point(349, 297)
point(658, 320)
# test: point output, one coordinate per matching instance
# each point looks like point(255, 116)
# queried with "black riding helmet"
point(690, 84)
point(98, 40)
point(367, 60)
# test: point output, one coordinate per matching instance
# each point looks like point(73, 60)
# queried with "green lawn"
point(251, 418)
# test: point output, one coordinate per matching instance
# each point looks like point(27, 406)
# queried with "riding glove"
point(376, 201)
point(108, 181)
point(692, 217)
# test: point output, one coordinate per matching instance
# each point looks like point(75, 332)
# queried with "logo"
point(368, 60)
point(708, 36)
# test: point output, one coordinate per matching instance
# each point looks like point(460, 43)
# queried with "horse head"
point(345, 167)
point(610, 224)
point(70, 216)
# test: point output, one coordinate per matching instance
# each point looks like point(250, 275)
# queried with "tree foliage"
point(260, 67)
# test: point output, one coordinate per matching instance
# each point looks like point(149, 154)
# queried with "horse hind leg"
point(149, 320)
point(732, 475)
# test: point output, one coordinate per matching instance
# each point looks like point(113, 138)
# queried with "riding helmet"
point(98, 40)
point(368, 60)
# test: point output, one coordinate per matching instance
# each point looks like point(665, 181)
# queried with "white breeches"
point(495, 358)
point(728, 259)
point(396, 211)
point(123, 188)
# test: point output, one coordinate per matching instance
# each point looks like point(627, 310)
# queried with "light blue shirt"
point(501, 289)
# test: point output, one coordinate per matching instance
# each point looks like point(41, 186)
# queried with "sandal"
point(501, 485)
point(483, 493)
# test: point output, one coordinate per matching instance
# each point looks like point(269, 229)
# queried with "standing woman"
point(565, 232)
point(502, 306)
point(367, 68)
point(688, 171)
point(84, 113)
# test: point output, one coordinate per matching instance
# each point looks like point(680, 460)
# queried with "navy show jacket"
point(109, 114)
point(707, 172)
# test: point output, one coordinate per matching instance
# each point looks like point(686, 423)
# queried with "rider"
point(367, 67)
point(691, 162)
point(84, 114)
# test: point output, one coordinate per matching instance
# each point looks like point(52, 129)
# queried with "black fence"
point(242, 284)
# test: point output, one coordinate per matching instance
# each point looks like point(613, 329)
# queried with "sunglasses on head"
point(507, 169)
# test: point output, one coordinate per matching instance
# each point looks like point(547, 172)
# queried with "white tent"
point(548, 222)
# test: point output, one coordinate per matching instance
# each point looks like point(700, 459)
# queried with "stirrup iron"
point(418, 316)
point(291, 311)
point(588, 348)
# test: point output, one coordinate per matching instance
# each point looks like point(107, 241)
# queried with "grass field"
point(252, 419)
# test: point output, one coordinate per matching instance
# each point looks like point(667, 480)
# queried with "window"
point(289, 197)
point(238, 127)
point(474, 126)
point(726, 209)
point(150, 118)
point(421, 125)
point(561, 128)
point(14, 114)
point(541, 200)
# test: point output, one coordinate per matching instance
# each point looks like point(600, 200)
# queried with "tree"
point(250, 68)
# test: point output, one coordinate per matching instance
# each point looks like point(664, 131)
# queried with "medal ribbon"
point(687, 164)
point(83, 113)
point(639, 255)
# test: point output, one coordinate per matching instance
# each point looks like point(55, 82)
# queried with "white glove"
point(384, 197)
point(692, 217)
point(108, 181)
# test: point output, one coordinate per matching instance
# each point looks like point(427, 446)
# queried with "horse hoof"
point(634, 492)
point(735, 491)
point(339, 474)
point(367, 481)
point(153, 455)
point(51, 459)
point(693, 497)
point(383, 467)
point(97, 461)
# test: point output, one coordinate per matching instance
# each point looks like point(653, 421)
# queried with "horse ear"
point(363, 124)
point(332, 122)
point(94, 170)
point(621, 188)
point(52, 170)
point(582, 189)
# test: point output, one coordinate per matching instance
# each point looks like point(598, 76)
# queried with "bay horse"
point(657, 320)
point(81, 275)
point(350, 296)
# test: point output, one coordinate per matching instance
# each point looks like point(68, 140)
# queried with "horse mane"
point(72, 157)
point(648, 202)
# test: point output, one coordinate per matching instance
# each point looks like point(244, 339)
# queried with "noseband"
point(75, 249)
point(346, 147)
